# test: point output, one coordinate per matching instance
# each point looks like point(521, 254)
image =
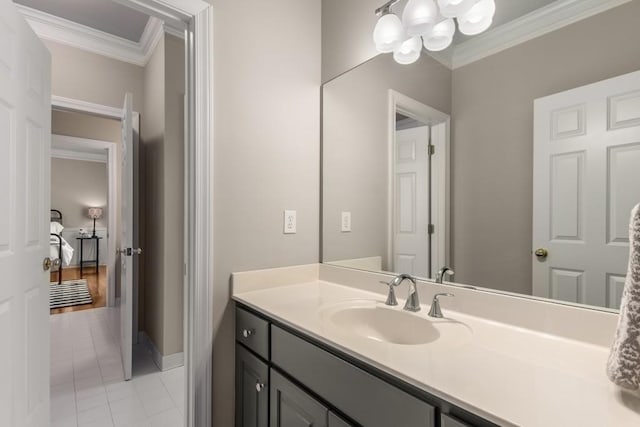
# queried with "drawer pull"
point(259, 386)
point(248, 332)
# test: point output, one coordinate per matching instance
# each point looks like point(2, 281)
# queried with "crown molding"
point(72, 34)
point(527, 27)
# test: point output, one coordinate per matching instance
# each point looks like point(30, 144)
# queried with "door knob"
point(541, 253)
point(259, 386)
point(128, 251)
point(46, 264)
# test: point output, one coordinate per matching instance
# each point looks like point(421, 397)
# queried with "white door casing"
point(411, 248)
point(126, 236)
point(25, 129)
point(586, 181)
point(438, 190)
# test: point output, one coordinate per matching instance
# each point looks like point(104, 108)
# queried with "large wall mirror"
point(517, 167)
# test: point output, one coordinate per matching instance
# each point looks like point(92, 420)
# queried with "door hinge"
point(432, 149)
point(431, 229)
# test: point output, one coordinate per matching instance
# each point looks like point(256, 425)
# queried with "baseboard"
point(170, 361)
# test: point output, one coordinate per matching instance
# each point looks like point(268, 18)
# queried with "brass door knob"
point(46, 264)
point(541, 253)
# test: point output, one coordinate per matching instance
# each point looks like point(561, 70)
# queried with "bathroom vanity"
point(302, 358)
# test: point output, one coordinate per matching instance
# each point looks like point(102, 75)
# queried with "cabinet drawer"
point(363, 397)
point(253, 332)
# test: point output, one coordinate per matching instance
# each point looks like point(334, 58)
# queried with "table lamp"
point(95, 213)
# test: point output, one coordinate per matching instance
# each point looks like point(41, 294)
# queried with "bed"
point(59, 248)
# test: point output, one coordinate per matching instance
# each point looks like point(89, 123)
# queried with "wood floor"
point(97, 284)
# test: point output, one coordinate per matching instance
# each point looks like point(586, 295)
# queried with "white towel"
point(623, 366)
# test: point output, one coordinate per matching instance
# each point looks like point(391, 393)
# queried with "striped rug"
point(69, 293)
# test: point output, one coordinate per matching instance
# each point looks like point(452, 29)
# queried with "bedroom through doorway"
point(83, 215)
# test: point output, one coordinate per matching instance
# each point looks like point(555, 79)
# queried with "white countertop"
point(506, 374)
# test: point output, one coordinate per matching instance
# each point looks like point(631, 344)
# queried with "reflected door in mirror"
point(586, 181)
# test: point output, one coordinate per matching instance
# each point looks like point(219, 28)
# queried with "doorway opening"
point(83, 210)
point(418, 187)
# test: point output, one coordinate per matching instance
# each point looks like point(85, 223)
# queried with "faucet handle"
point(391, 298)
point(435, 305)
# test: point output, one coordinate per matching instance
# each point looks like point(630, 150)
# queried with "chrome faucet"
point(435, 305)
point(442, 272)
point(413, 302)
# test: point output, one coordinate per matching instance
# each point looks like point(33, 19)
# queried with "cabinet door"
point(447, 421)
point(335, 421)
point(292, 407)
point(252, 390)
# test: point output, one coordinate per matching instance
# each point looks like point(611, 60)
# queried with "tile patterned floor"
point(87, 385)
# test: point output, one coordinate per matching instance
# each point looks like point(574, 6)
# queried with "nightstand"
point(96, 240)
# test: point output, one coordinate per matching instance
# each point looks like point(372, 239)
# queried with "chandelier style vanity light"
point(428, 23)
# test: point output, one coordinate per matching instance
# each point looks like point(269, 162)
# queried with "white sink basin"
point(392, 325)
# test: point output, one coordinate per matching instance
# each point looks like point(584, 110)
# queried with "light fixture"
point(429, 23)
point(388, 34)
point(440, 36)
point(478, 18)
point(409, 51)
point(419, 16)
point(94, 213)
point(455, 8)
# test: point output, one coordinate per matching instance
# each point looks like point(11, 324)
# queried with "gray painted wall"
point(162, 184)
point(267, 153)
point(347, 28)
point(355, 148)
point(85, 126)
point(87, 76)
point(76, 185)
point(151, 279)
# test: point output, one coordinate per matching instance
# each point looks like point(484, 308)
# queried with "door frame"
point(112, 177)
point(195, 19)
point(440, 138)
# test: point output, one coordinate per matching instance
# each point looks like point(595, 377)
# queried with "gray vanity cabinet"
point(335, 421)
point(447, 421)
point(361, 396)
point(286, 379)
point(252, 390)
point(292, 407)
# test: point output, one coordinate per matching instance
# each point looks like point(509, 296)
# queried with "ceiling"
point(506, 11)
point(103, 15)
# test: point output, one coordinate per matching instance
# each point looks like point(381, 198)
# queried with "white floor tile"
point(99, 414)
point(170, 418)
point(87, 381)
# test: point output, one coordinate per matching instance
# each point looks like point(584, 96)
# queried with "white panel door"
point(25, 144)
point(126, 238)
point(586, 181)
point(411, 251)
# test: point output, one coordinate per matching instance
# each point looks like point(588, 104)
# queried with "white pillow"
point(56, 227)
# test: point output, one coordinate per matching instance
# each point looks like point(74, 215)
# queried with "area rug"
point(69, 293)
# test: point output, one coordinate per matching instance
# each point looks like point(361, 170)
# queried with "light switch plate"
point(289, 222)
point(345, 224)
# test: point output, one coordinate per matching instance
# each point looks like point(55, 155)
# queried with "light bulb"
point(418, 16)
point(388, 33)
point(440, 36)
point(409, 51)
point(478, 18)
point(455, 8)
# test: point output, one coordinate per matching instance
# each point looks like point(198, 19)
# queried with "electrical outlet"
point(346, 222)
point(289, 222)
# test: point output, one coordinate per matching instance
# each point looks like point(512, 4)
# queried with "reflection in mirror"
point(535, 170)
